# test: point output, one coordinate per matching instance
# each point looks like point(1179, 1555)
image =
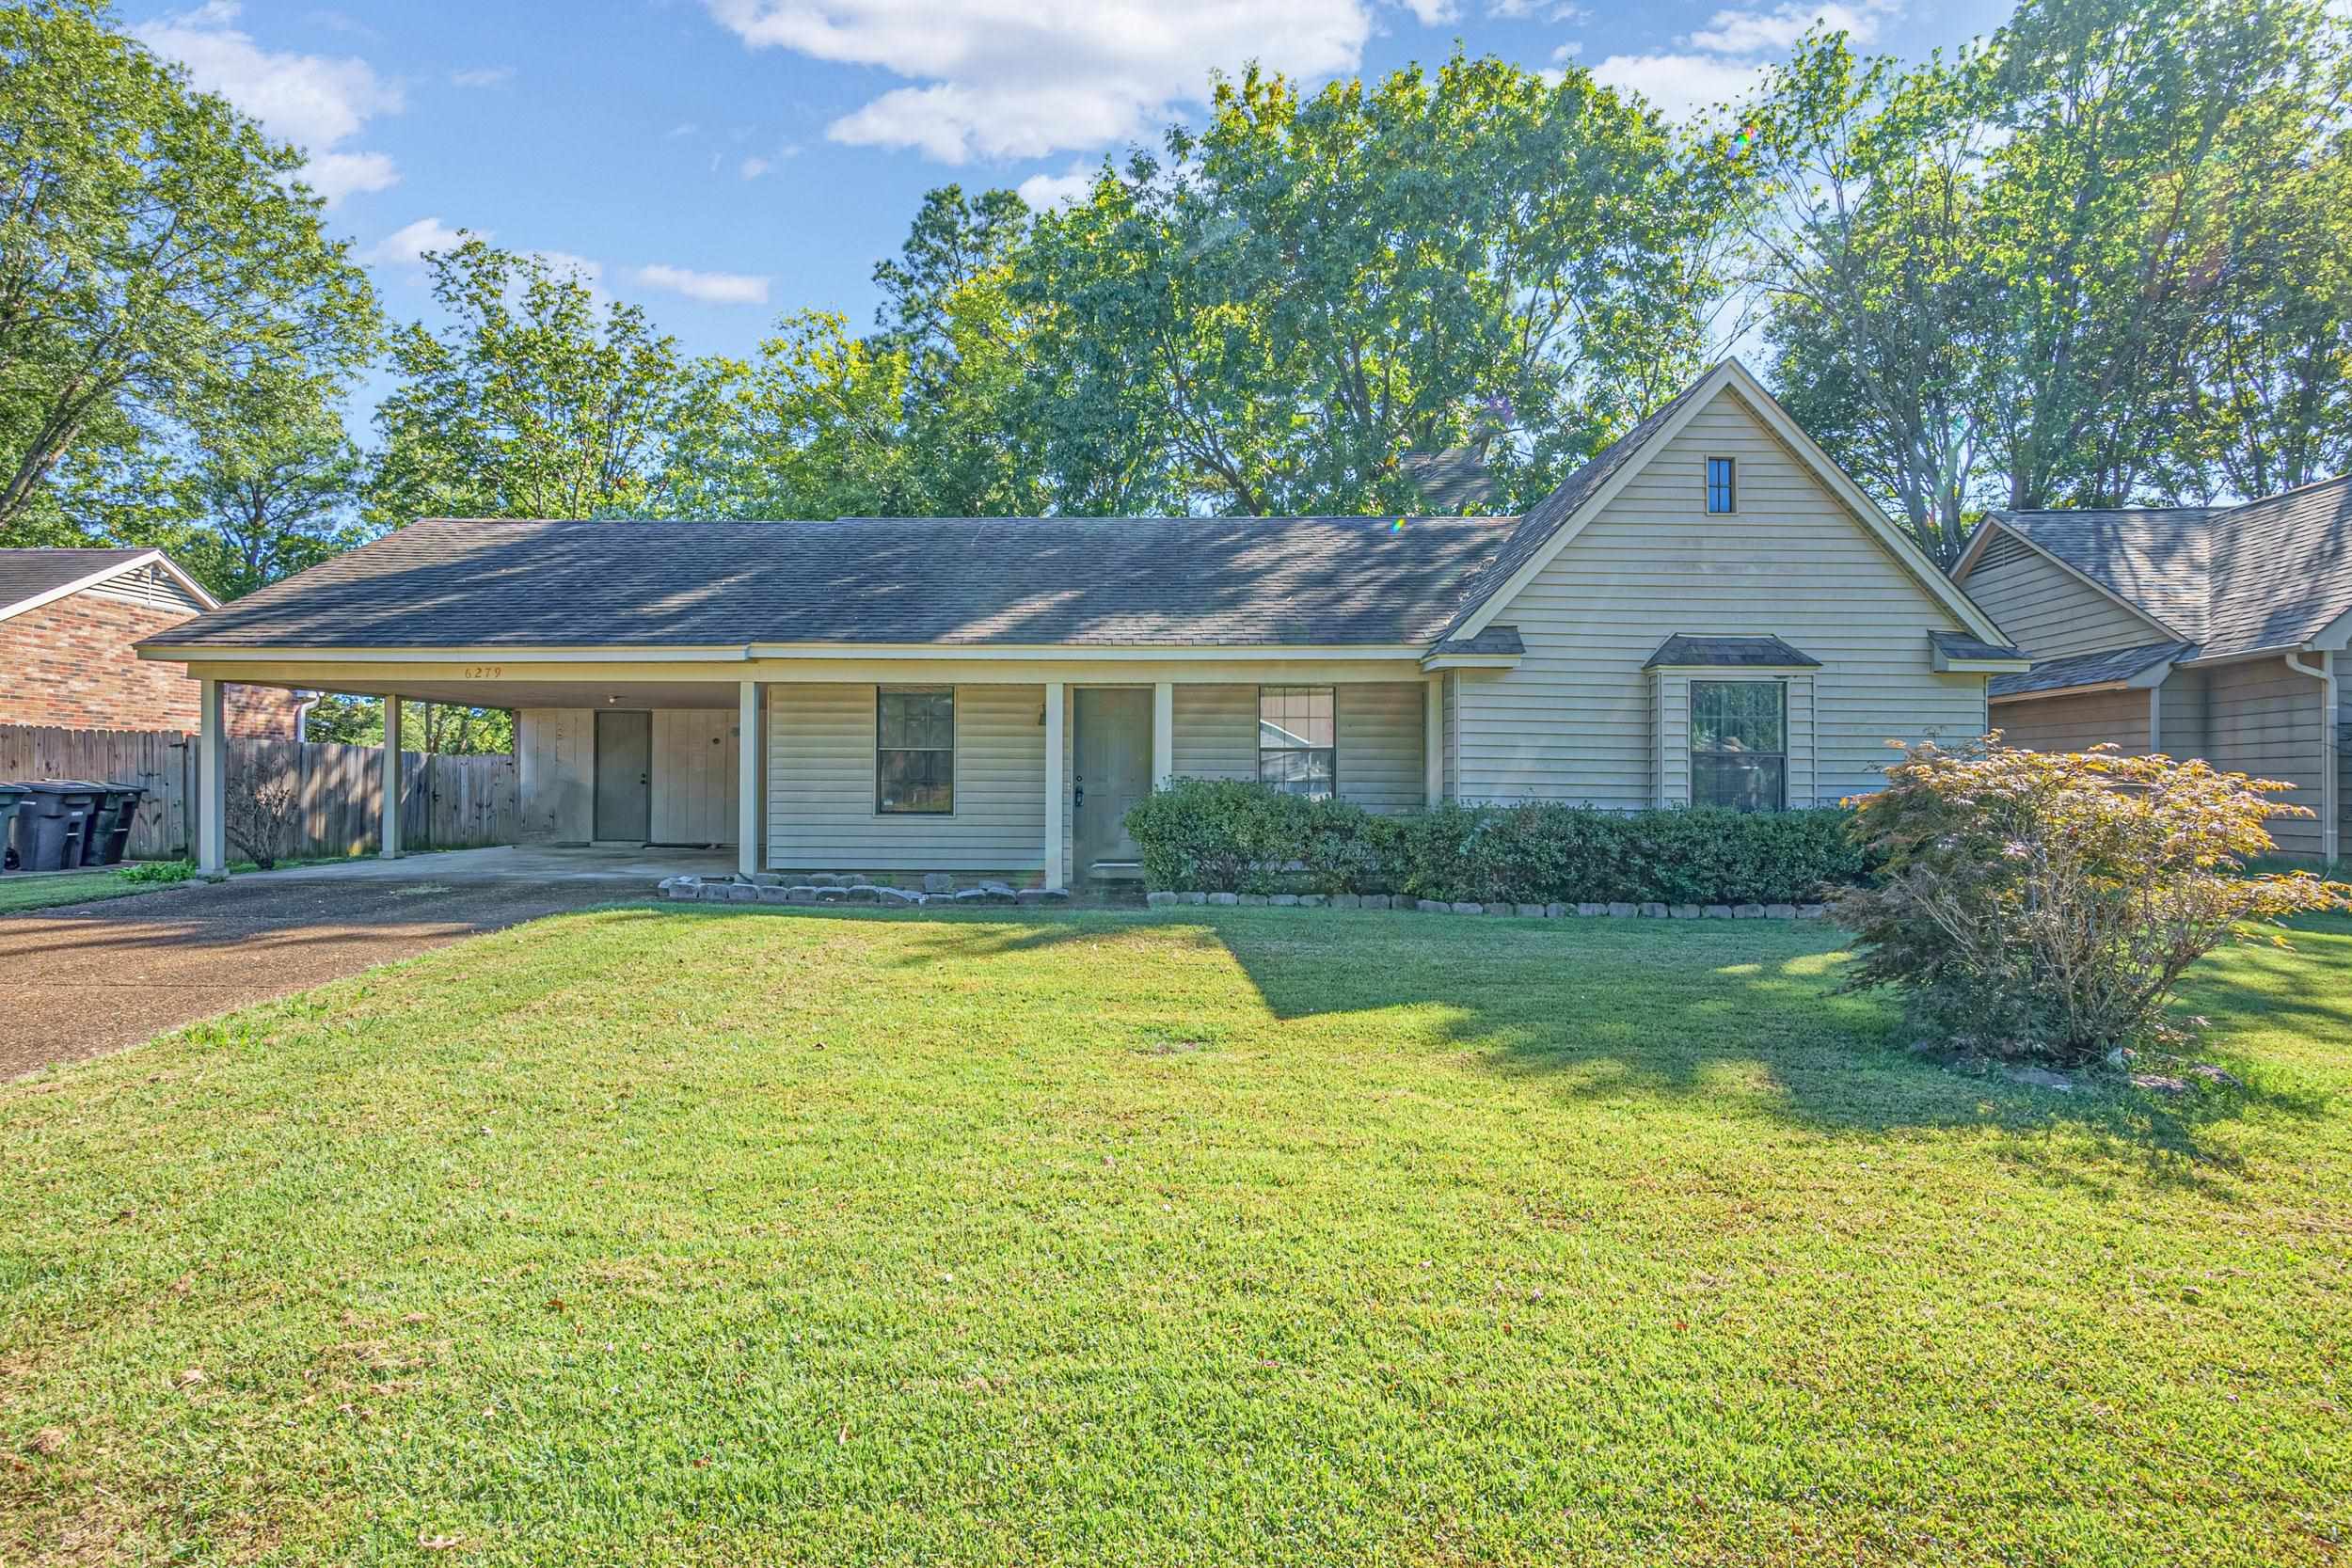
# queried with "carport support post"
point(747, 778)
point(212, 783)
point(1433, 738)
point(1055, 792)
point(391, 778)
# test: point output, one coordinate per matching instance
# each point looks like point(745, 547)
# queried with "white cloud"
point(483, 76)
point(405, 247)
point(1752, 32)
point(1680, 86)
point(1727, 59)
point(1433, 13)
point(684, 127)
point(711, 288)
point(1065, 189)
point(751, 168)
point(1526, 10)
point(1005, 79)
point(581, 267)
point(312, 101)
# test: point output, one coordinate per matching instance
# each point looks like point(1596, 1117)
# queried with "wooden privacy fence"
point(447, 802)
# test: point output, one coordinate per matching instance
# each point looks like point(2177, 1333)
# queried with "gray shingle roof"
point(2270, 574)
point(25, 574)
point(1494, 640)
point(1959, 644)
point(1067, 581)
point(2105, 668)
point(1729, 652)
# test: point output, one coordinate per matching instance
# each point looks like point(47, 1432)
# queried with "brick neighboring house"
point(67, 619)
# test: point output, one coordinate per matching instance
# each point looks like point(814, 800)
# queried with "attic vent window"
point(1723, 486)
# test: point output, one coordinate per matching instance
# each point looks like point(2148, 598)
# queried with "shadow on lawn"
point(1618, 1009)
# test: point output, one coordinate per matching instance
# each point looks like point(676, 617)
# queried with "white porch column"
point(1163, 733)
point(391, 778)
point(1433, 738)
point(747, 778)
point(1055, 791)
point(212, 783)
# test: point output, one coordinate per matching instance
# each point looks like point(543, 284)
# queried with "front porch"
point(893, 767)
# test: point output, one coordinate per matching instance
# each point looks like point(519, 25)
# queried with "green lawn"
point(79, 887)
point(733, 1238)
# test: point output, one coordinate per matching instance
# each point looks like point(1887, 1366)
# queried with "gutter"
point(2324, 672)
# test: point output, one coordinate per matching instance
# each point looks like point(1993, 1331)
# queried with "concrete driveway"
point(84, 979)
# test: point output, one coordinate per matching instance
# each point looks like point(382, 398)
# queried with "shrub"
point(262, 820)
point(161, 872)
point(1238, 837)
point(2043, 905)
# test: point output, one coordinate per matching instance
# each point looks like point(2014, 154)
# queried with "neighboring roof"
point(28, 574)
point(1959, 644)
point(2270, 574)
point(34, 577)
point(1060, 581)
point(1754, 653)
point(2110, 667)
point(1494, 640)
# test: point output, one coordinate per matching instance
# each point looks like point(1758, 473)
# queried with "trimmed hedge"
point(1214, 835)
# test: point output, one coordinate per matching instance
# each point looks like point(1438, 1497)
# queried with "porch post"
point(1163, 734)
point(1433, 738)
point(747, 778)
point(212, 783)
point(391, 778)
point(1054, 791)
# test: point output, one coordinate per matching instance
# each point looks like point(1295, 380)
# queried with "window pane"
point(917, 719)
point(1742, 783)
point(915, 781)
point(1304, 772)
point(1720, 485)
point(1295, 715)
point(1737, 716)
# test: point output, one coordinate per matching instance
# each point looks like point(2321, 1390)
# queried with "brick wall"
point(69, 664)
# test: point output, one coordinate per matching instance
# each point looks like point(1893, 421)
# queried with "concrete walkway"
point(80, 980)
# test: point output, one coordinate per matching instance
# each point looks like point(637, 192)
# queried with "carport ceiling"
point(715, 694)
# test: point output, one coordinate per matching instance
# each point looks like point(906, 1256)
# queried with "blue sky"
point(722, 161)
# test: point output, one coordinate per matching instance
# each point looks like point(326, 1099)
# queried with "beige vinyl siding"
point(2046, 610)
point(1380, 733)
point(821, 797)
point(2077, 724)
point(694, 776)
point(1574, 721)
point(1216, 732)
point(555, 754)
point(2263, 719)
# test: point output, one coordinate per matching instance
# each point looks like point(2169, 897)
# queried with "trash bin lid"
point(54, 786)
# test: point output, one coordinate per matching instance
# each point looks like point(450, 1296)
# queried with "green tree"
point(273, 485)
point(158, 252)
point(1308, 296)
point(531, 402)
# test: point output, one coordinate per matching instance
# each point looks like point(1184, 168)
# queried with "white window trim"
point(1706, 484)
point(1670, 728)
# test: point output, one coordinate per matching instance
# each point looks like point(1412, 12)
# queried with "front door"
point(1111, 771)
point(624, 776)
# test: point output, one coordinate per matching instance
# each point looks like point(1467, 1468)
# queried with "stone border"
point(1522, 911)
point(766, 887)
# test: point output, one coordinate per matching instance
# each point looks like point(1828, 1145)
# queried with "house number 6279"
point(485, 671)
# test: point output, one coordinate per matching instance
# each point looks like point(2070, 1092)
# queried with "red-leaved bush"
point(2043, 905)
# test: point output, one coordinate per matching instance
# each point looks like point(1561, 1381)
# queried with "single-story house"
point(2200, 631)
point(69, 621)
point(1708, 611)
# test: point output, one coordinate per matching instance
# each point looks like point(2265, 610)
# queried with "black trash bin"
point(52, 823)
point(109, 832)
point(11, 796)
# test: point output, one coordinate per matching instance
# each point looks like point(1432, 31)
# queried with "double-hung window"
point(915, 751)
point(1297, 747)
point(1740, 744)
